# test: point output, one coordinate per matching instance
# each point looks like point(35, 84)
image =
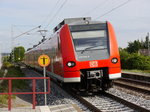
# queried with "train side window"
point(58, 39)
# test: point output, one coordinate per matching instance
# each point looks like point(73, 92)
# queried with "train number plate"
point(93, 63)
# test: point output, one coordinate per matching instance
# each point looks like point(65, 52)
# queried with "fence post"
point(48, 86)
point(34, 88)
point(9, 93)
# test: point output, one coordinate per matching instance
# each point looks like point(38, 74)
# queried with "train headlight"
point(71, 64)
point(114, 60)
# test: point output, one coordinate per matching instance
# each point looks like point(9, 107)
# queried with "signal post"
point(44, 61)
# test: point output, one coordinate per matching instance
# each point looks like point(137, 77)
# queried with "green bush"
point(124, 55)
point(13, 71)
point(16, 72)
point(147, 63)
point(7, 65)
point(134, 61)
point(139, 62)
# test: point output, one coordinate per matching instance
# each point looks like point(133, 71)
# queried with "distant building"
point(5, 54)
point(144, 52)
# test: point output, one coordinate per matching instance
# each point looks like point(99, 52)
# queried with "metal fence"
point(33, 88)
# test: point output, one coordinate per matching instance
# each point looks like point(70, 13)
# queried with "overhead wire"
point(97, 6)
point(56, 13)
point(102, 6)
point(22, 33)
point(51, 12)
point(26, 32)
point(113, 9)
point(110, 5)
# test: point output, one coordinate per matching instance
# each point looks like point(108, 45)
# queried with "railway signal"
point(44, 61)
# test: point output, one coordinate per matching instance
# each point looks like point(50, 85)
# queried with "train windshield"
point(89, 40)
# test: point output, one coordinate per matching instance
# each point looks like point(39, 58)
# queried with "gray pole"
point(44, 72)
point(148, 45)
point(12, 40)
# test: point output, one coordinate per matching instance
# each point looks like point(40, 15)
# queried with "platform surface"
point(54, 108)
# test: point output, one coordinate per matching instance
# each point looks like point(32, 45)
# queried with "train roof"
point(76, 21)
point(69, 21)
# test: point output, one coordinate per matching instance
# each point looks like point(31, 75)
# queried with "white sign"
point(93, 63)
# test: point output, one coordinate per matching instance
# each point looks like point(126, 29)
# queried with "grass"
point(16, 72)
point(1, 72)
point(3, 99)
point(137, 71)
point(16, 84)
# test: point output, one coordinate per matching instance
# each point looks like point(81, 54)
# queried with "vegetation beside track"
point(133, 59)
point(1, 72)
point(136, 71)
point(13, 71)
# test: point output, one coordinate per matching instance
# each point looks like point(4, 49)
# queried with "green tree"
point(146, 42)
point(133, 47)
point(18, 53)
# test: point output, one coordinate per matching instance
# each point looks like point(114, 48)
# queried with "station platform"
point(53, 108)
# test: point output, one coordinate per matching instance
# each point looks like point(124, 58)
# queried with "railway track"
point(127, 103)
point(136, 85)
point(89, 105)
point(111, 103)
point(136, 76)
point(106, 102)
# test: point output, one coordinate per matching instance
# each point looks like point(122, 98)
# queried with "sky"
point(130, 21)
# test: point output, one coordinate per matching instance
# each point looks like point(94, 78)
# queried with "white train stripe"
point(75, 79)
point(115, 76)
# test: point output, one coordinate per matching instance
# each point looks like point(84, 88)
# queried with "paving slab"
point(49, 108)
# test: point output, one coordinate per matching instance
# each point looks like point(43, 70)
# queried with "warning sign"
point(44, 60)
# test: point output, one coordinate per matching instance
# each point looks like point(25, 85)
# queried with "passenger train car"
point(83, 53)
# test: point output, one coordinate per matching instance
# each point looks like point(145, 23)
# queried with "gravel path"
point(57, 96)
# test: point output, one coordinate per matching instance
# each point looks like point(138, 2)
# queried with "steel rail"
point(135, 88)
point(127, 103)
point(143, 83)
point(84, 102)
point(136, 76)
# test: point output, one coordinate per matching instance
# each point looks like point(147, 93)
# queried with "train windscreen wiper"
point(90, 48)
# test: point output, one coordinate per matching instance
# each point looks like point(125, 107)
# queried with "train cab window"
point(89, 37)
point(90, 40)
point(58, 41)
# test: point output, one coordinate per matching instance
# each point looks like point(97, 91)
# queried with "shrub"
point(7, 65)
point(124, 55)
point(134, 61)
point(137, 61)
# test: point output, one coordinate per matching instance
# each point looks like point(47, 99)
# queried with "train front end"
point(90, 55)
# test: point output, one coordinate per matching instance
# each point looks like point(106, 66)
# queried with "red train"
point(83, 53)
